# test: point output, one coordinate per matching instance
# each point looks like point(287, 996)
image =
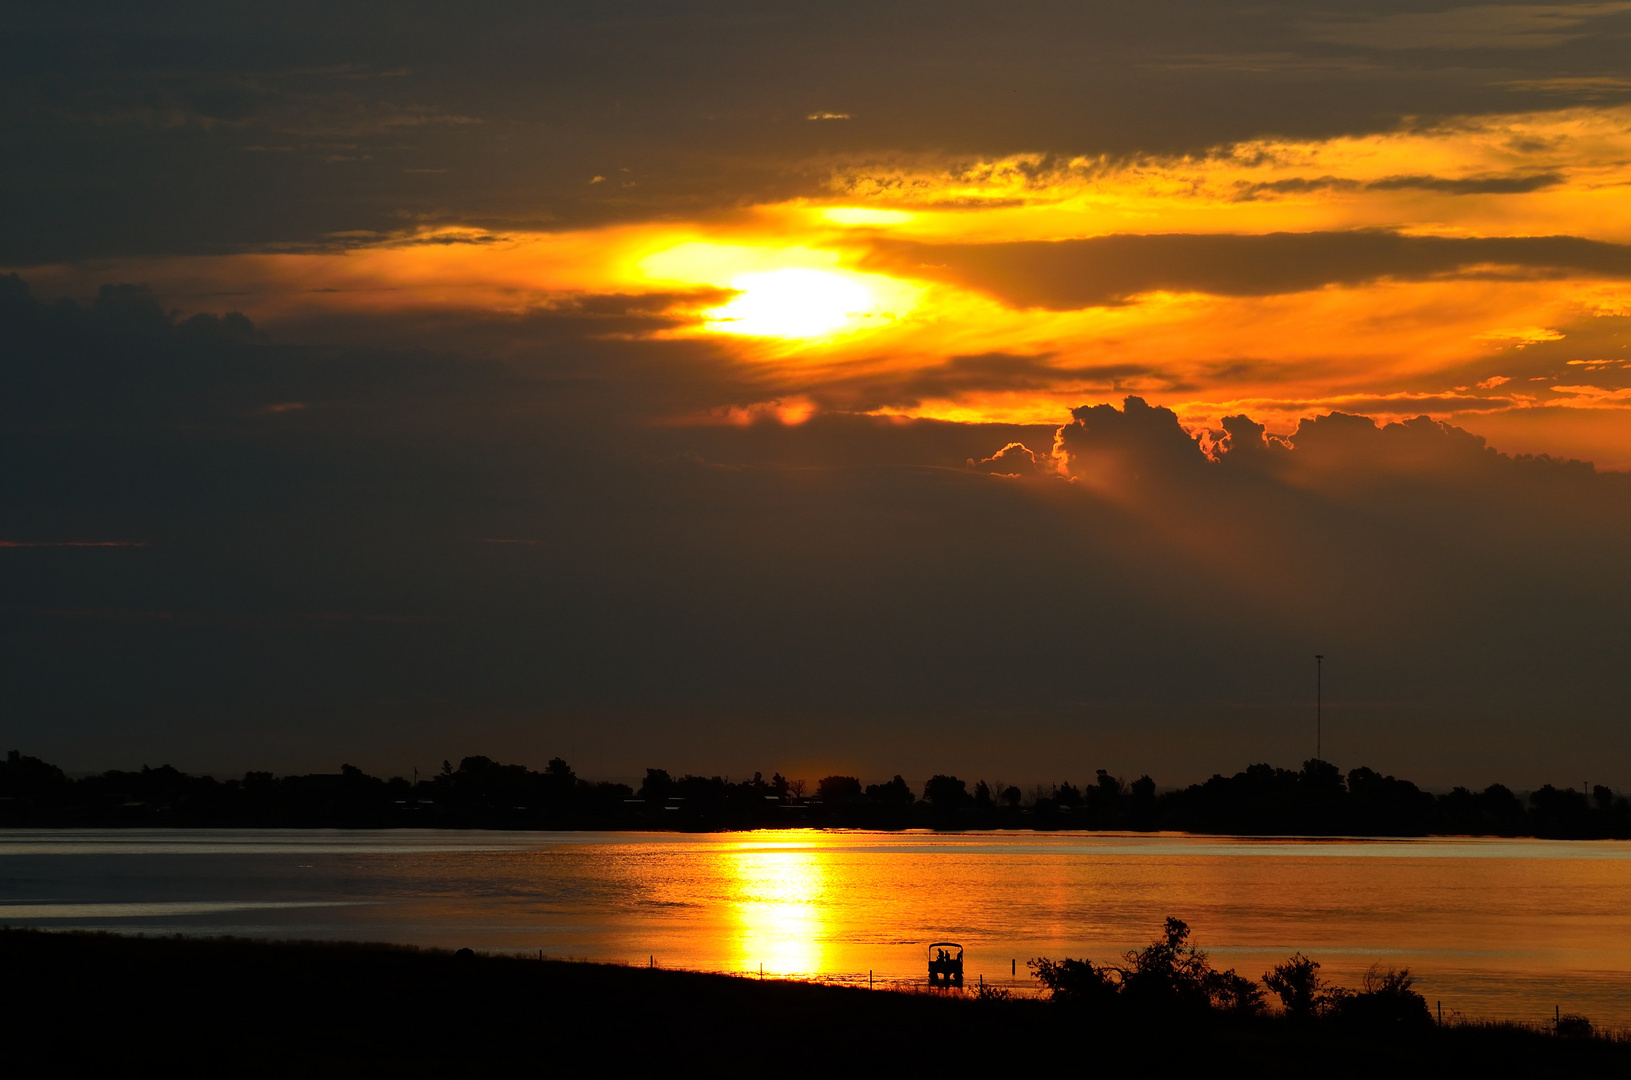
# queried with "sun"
point(800, 303)
point(790, 292)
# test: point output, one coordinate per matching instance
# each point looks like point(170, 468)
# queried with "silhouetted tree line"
point(482, 793)
point(1172, 978)
point(1319, 800)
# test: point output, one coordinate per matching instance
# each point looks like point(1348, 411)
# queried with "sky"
point(1012, 390)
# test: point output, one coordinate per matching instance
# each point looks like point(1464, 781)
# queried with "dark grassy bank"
point(484, 794)
point(73, 1002)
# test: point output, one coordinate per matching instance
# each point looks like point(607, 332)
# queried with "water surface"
point(1493, 928)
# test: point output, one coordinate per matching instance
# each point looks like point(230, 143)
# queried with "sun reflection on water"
point(779, 898)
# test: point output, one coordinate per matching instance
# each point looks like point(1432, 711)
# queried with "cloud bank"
point(437, 548)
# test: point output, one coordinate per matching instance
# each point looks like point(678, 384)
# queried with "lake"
point(1492, 928)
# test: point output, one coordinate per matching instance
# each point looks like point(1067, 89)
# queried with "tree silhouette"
point(946, 793)
point(834, 788)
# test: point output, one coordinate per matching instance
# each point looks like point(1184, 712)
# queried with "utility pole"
point(1319, 704)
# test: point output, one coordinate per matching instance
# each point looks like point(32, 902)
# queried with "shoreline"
point(723, 830)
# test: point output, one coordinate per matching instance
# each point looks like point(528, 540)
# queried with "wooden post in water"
point(869, 978)
point(1013, 968)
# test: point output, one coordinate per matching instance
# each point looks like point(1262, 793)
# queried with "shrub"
point(1387, 999)
point(1076, 982)
point(1166, 975)
point(1573, 1026)
point(1297, 983)
point(1232, 993)
point(1169, 971)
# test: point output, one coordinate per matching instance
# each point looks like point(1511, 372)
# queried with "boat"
point(945, 967)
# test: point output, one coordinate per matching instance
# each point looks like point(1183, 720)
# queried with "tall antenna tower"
point(1319, 704)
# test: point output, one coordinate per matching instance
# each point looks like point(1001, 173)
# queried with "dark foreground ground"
point(121, 1006)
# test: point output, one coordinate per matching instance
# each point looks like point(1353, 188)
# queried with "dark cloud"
point(123, 361)
point(960, 376)
point(1117, 446)
point(1016, 459)
point(1343, 447)
point(1495, 27)
point(1069, 274)
point(1328, 453)
point(1516, 184)
point(1475, 185)
point(214, 127)
point(565, 318)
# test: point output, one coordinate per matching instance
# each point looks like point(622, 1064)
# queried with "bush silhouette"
point(1297, 983)
point(1076, 982)
point(1169, 971)
point(1387, 999)
point(1234, 993)
point(1573, 1026)
point(1168, 975)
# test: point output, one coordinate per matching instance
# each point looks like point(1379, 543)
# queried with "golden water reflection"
point(1492, 928)
point(778, 898)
